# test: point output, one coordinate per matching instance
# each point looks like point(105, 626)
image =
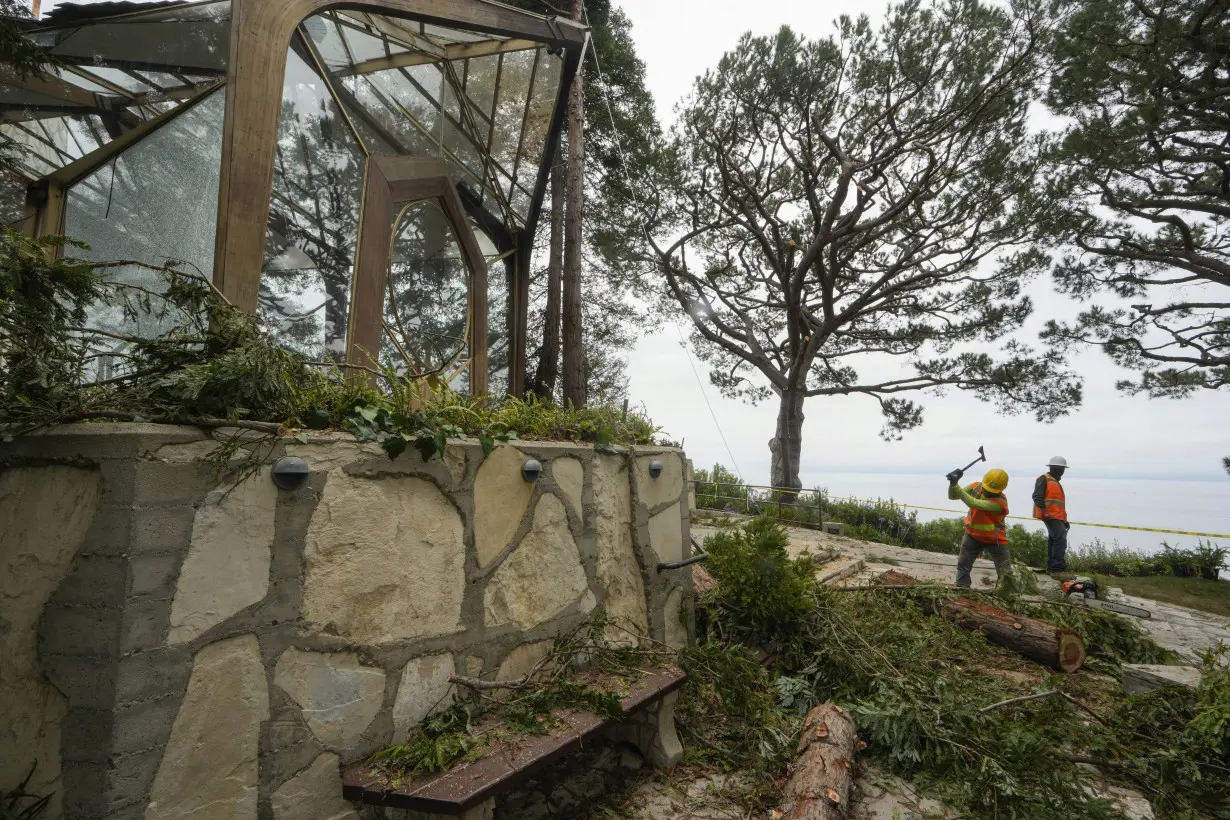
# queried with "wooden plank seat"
point(469, 789)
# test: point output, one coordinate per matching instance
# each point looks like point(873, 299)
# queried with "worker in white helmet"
point(1050, 505)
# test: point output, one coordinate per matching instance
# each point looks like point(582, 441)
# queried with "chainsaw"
point(1084, 592)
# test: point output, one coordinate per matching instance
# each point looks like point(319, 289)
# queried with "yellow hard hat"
point(996, 481)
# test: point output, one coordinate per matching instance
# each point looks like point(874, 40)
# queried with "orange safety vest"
point(1054, 505)
point(987, 527)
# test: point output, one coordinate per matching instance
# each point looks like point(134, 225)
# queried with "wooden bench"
point(468, 790)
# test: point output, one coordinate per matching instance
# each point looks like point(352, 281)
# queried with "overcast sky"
point(1113, 435)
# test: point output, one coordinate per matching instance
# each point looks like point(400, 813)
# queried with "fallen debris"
point(823, 770)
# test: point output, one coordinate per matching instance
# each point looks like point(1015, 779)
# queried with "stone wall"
point(177, 647)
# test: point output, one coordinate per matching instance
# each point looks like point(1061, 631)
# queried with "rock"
point(836, 528)
point(424, 688)
point(227, 567)
point(45, 513)
point(654, 492)
point(385, 560)
point(522, 659)
point(313, 794)
point(618, 570)
point(339, 696)
point(666, 535)
point(569, 474)
point(501, 497)
point(1145, 677)
point(219, 721)
point(674, 619)
point(542, 577)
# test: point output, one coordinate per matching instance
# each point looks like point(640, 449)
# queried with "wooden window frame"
point(389, 181)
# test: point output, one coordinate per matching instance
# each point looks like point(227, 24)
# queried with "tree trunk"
point(1044, 643)
point(548, 360)
point(574, 352)
point(787, 445)
point(823, 768)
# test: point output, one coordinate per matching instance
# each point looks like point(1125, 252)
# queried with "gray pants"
point(971, 549)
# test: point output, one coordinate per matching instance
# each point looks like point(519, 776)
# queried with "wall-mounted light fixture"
point(290, 472)
point(655, 468)
point(531, 470)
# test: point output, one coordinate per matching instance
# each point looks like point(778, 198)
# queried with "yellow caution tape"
point(1030, 518)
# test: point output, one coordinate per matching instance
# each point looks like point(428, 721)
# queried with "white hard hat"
point(1057, 461)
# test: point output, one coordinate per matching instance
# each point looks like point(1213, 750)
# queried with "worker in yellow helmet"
point(985, 530)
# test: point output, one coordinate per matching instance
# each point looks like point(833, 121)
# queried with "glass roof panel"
point(116, 77)
point(188, 38)
point(81, 82)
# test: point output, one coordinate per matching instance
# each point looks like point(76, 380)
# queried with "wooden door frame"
point(388, 181)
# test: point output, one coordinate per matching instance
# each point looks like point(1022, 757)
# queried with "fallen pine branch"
point(1022, 699)
point(823, 769)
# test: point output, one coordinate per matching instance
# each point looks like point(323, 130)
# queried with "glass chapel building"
point(364, 176)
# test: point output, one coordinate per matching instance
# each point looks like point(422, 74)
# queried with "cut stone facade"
point(177, 650)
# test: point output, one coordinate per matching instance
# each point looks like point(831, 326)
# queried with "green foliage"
point(728, 717)
point(913, 683)
point(719, 488)
point(1176, 743)
point(760, 588)
point(1205, 560)
point(18, 804)
point(438, 742)
point(532, 713)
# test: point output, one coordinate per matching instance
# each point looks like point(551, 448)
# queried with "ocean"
point(1192, 506)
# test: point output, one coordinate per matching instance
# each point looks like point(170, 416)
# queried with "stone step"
point(1139, 678)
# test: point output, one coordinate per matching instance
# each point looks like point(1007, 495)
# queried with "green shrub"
point(759, 586)
point(719, 488)
point(1205, 560)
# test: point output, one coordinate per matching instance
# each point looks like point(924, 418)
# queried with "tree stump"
point(823, 770)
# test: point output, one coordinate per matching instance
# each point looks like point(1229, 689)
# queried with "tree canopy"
point(867, 195)
point(1143, 176)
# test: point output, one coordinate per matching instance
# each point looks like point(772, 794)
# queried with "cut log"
point(823, 770)
point(1044, 643)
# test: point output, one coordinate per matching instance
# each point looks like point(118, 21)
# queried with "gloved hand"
point(954, 477)
point(1066, 526)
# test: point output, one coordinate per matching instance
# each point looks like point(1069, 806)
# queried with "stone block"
point(109, 531)
point(159, 484)
point(313, 794)
point(143, 726)
point(836, 528)
point(87, 631)
point(385, 560)
point(339, 696)
point(160, 529)
point(86, 736)
point(666, 535)
point(143, 676)
point(522, 660)
point(569, 475)
point(667, 487)
point(424, 688)
point(1145, 677)
point(483, 811)
point(618, 571)
point(153, 574)
point(675, 620)
point(144, 625)
point(87, 682)
point(95, 580)
point(227, 567)
point(83, 786)
point(542, 577)
point(219, 720)
point(652, 732)
point(501, 497)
